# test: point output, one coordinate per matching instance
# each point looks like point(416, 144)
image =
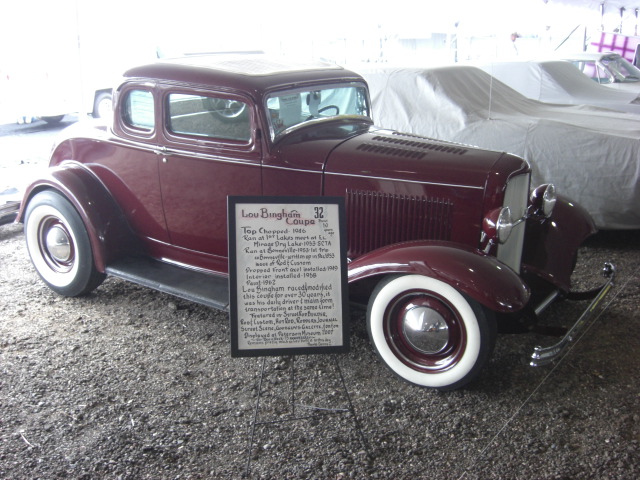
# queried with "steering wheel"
point(326, 107)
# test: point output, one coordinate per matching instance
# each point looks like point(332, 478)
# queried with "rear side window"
point(211, 117)
point(138, 110)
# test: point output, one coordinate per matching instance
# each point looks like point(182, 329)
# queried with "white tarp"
point(559, 81)
point(592, 155)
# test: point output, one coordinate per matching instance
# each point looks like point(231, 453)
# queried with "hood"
point(400, 187)
point(386, 154)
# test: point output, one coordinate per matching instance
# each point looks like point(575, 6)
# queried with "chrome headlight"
point(498, 224)
point(543, 199)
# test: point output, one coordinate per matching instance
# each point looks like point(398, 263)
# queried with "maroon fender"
point(551, 245)
point(107, 228)
point(479, 276)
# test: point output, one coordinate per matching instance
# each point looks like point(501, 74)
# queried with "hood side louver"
point(407, 146)
point(390, 150)
point(378, 219)
point(423, 143)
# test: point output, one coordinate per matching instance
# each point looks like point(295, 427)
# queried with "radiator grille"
point(378, 219)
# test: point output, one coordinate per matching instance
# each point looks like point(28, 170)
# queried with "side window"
point(138, 110)
point(589, 69)
point(211, 117)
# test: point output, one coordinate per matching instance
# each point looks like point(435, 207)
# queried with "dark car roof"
point(249, 73)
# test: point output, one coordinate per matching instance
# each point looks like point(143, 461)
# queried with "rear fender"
point(479, 276)
point(551, 245)
point(108, 231)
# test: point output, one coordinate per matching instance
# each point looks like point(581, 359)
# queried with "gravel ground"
point(134, 384)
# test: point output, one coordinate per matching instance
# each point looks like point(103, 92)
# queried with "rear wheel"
point(428, 333)
point(59, 245)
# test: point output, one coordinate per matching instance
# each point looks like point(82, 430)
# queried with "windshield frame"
point(616, 65)
point(276, 133)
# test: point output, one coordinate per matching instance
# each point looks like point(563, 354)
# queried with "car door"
point(210, 152)
point(128, 165)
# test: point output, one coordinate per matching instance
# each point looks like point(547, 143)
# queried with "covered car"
point(558, 81)
point(591, 154)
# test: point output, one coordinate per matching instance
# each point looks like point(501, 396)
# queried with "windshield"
point(289, 108)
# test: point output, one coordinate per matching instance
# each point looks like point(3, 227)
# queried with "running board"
point(543, 356)
point(209, 290)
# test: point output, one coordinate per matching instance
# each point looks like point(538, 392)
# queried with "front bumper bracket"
point(545, 355)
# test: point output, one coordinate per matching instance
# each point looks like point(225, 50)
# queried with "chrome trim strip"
point(275, 167)
point(169, 152)
point(320, 120)
point(546, 355)
point(406, 180)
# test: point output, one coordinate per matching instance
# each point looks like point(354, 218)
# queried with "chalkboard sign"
point(288, 276)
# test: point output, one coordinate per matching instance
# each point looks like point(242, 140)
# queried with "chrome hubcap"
point(425, 330)
point(58, 244)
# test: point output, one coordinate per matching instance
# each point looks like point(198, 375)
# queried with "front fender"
point(108, 231)
point(551, 245)
point(479, 276)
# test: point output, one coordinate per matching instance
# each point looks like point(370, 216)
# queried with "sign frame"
point(341, 297)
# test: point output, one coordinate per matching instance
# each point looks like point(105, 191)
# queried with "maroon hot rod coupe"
point(445, 242)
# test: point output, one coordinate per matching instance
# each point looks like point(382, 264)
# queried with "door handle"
point(160, 151)
point(164, 152)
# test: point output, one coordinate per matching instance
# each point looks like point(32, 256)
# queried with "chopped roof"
point(251, 73)
point(252, 64)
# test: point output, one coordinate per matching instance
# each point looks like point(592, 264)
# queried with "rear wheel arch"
point(110, 235)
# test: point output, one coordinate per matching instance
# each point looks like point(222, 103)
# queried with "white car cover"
point(592, 155)
point(561, 82)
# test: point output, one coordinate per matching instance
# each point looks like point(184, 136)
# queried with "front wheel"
point(428, 333)
point(59, 246)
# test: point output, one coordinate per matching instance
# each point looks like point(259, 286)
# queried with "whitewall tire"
point(429, 333)
point(59, 245)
